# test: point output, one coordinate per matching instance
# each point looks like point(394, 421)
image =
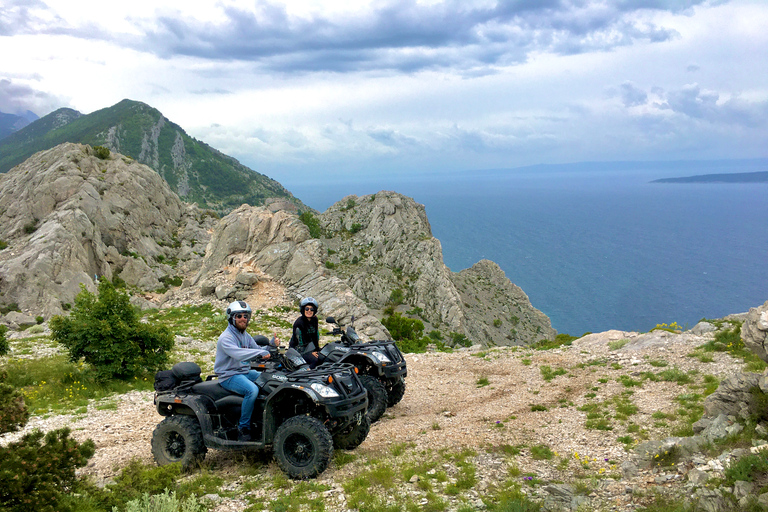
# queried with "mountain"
point(197, 172)
point(72, 213)
point(11, 123)
point(736, 177)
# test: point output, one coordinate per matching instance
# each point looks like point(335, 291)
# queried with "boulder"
point(20, 319)
point(754, 331)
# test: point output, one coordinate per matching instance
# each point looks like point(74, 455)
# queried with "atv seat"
point(220, 396)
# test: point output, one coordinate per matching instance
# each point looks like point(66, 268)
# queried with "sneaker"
point(244, 435)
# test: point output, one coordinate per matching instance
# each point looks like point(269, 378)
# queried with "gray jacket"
point(233, 352)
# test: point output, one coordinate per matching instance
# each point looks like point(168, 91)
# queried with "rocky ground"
point(490, 401)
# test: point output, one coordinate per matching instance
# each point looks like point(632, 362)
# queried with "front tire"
point(303, 447)
point(395, 391)
point(353, 436)
point(178, 439)
point(377, 397)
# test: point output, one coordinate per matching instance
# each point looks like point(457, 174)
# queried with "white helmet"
point(308, 301)
point(239, 306)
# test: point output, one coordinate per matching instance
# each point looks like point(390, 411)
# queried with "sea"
point(595, 246)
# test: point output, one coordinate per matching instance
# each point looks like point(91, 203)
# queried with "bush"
point(4, 346)
point(107, 333)
point(165, 502)
point(38, 472)
point(101, 152)
point(397, 296)
point(13, 411)
point(460, 340)
point(402, 328)
point(315, 231)
point(3, 244)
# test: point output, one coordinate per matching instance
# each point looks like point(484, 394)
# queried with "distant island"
point(736, 177)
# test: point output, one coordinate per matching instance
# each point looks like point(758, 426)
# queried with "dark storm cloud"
point(405, 36)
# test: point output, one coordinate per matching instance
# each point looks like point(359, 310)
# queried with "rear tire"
point(395, 391)
point(178, 439)
point(354, 435)
point(377, 397)
point(303, 447)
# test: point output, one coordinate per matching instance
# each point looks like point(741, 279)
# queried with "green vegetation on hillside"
point(211, 179)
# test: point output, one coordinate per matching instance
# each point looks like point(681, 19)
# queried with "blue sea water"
point(595, 247)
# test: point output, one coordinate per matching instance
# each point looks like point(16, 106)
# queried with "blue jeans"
point(243, 384)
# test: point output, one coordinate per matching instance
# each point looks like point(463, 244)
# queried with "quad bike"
point(301, 414)
point(380, 364)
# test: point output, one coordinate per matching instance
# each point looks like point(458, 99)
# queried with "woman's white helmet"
point(239, 306)
point(308, 301)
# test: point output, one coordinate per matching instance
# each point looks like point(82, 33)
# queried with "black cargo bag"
point(186, 373)
point(165, 380)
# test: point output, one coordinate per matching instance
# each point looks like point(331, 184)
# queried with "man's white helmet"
point(239, 306)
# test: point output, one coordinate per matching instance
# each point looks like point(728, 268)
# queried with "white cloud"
point(399, 85)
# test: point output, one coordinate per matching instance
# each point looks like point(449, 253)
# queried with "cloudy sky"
point(332, 87)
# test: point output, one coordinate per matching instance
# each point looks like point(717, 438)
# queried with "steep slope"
point(11, 123)
point(68, 216)
point(382, 246)
point(195, 171)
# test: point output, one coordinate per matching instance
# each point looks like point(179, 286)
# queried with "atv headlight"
point(324, 391)
point(382, 358)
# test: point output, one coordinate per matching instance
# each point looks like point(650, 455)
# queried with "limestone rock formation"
point(69, 218)
point(754, 331)
point(253, 240)
point(497, 310)
point(382, 246)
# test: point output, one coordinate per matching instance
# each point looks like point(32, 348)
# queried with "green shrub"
point(402, 328)
point(4, 346)
point(460, 340)
point(107, 333)
point(397, 296)
point(355, 227)
point(30, 227)
point(748, 468)
point(330, 265)
point(38, 471)
point(9, 307)
point(13, 411)
point(3, 244)
point(165, 502)
point(315, 231)
point(101, 152)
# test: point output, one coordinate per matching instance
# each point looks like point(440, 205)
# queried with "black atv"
point(380, 364)
point(301, 414)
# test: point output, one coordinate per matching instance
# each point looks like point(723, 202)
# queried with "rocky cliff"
point(67, 216)
point(382, 245)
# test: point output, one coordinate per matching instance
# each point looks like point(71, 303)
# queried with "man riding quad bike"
point(301, 414)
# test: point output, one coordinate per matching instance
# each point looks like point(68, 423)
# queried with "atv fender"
point(190, 405)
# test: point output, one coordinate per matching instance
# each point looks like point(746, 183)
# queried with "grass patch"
point(547, 373)
point(616, 345)
point(56, 384)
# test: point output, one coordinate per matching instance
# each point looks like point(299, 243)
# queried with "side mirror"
point(330, 320)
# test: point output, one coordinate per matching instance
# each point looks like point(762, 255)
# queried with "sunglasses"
point(242, 315)
point(309, 308)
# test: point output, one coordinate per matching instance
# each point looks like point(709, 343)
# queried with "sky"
point(328, 89)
